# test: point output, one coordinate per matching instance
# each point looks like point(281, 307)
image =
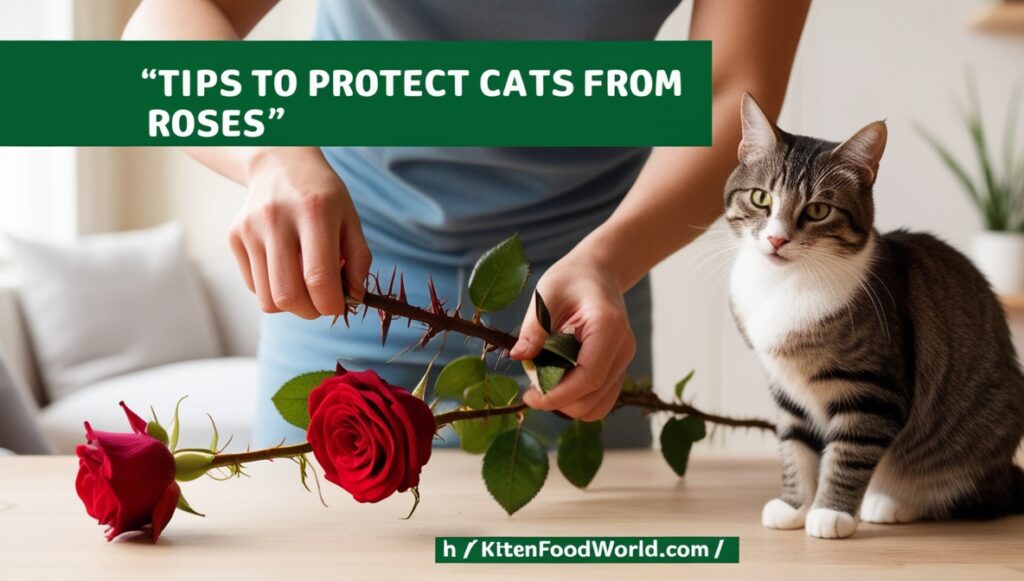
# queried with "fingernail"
point(519, 347)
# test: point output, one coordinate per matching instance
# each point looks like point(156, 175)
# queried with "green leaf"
point(580, 451)
point(682, 384)
point(515, 468)
point(558, 356)
point(183, 505)
point(475, 436)
point(542, 312)
point(458, 375)
point(549, 376)
point(499, 276)
point(175, 426)
point(564, 345)
point(954, 166)
point(292, 400)
point(677, 438)
point(500, 389)
point(216, 436)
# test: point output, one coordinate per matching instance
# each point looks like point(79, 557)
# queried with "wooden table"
point(269, 527)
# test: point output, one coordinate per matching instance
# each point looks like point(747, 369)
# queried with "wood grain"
point(268, 527)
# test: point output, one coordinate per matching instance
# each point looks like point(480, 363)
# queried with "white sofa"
point(224, 386)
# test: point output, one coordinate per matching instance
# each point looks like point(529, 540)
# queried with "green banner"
point(355, 93)
point(587, 550)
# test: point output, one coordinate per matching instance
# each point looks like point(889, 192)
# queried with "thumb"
point(531, 337)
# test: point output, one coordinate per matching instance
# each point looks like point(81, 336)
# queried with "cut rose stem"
point(646, 400)
point(222, 460)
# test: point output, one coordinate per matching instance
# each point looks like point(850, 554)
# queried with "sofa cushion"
point(111, 304)
point(223, 387)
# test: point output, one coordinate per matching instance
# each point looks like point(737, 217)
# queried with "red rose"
point(127, 480)
point(369, 437)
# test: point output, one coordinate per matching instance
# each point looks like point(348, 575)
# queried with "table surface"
point(267, 526)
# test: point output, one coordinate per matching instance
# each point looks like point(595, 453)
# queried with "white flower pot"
point(1000, 257)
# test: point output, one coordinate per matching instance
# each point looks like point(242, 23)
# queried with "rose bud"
point(126, 481)
point(370, 438)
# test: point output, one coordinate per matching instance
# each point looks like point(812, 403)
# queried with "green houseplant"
point(998, 193)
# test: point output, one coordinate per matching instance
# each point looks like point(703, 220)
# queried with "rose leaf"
point(459, 374)
point(476, 435)
point(580, 451)
point(549, 376)
point(292, 400)
point(499, 276)
point(564, 346)
point(682, 384)
point(542, 312)
point(501, 390)
point(515, 468)
point(677, 438)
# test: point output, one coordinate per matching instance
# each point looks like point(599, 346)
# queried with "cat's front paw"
point(825, 523)
point(778, 514)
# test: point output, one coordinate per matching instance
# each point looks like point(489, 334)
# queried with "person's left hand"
point(582, 296)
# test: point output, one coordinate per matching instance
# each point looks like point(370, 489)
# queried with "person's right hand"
point(296, 230)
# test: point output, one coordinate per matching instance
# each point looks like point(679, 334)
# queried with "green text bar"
point(587, 550)
point(356, 93)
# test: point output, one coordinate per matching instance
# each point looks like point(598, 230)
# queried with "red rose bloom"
point(369, 437)
point(127, 480)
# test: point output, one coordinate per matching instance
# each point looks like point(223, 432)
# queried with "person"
point(594, 221)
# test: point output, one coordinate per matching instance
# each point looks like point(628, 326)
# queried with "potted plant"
point(998, 250)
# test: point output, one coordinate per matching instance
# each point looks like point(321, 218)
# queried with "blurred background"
point(859, 60)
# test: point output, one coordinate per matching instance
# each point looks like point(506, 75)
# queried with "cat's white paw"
point(778, 514)
point(884, 509)
point(825, 523)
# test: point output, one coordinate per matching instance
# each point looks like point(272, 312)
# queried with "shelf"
point(1003, 18)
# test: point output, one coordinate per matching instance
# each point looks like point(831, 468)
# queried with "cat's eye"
point(760, 198)
point(817, 211)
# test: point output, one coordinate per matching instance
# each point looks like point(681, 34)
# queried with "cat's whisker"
point(710, 256)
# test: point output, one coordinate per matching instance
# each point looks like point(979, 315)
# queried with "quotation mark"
point(275, 113)
point(149, 74)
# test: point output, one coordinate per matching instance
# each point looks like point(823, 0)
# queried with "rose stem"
point(646, 400)
point(440, 321)
point(221, 460)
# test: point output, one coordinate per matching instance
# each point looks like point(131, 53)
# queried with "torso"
point(449, 204)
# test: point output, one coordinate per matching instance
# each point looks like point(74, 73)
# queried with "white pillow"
point(110, 304)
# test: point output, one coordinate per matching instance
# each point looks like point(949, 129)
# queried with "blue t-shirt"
point(448, 204)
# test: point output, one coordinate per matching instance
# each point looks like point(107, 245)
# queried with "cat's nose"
point(777, 242)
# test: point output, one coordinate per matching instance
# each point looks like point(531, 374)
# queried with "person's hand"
point(296, 232)
point(582, 296)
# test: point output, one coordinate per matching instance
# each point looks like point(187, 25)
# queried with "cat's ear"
point(865, 148)
point(759, 134)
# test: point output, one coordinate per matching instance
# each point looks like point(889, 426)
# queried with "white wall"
point(860, 60)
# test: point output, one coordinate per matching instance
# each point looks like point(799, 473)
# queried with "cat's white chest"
point(773, 301)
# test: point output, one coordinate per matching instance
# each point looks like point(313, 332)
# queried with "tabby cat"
point(898, 388)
